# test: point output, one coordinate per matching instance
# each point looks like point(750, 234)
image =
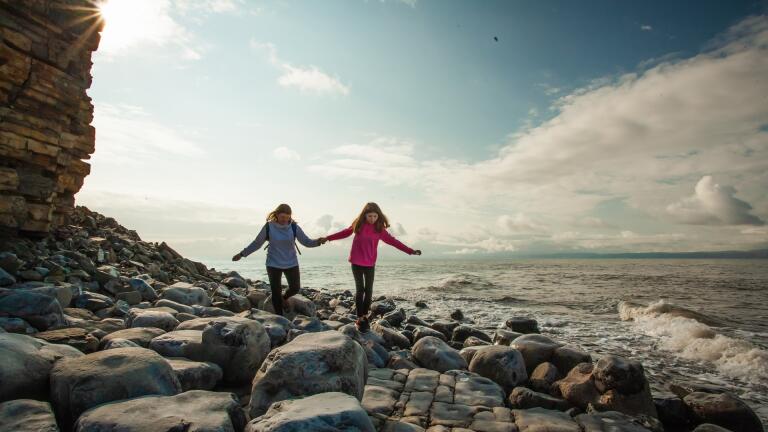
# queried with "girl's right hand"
point(237, 257)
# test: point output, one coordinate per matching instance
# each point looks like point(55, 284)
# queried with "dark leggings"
point(363, 287)
point(275, 282)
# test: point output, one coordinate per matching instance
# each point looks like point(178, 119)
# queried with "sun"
point(129, 22)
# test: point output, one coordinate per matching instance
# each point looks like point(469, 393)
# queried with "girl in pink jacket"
point(369, 227)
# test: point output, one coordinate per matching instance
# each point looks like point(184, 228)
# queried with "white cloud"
point(208, 6)
point(130, 135)
point(518, 223)
point(284, 153)
point(714, 204)
point(307, 78)
point(646, 27)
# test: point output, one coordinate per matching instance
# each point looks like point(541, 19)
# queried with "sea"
point(704, 321)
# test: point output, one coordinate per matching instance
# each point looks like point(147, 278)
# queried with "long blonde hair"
point(282, 208)
point(381, 223)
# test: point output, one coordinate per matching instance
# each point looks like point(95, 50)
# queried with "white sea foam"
point(695, 340)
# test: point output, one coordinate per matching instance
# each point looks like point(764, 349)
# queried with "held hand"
point(237, 257)
point(417, 252)
point(322, 240)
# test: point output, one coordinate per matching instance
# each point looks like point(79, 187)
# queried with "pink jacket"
point(366, 242)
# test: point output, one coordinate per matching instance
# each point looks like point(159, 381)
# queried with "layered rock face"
point(45, 113)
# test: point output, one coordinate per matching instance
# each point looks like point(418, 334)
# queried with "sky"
point(482, 129)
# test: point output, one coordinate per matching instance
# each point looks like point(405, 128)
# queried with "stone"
point(422, 380)
point(194, 375)
point(609, 421)
point(673, 412)
point(195, 410)
point(276, 326)
point(709, 427)
point(395, 317)
point(432, 353)
point(92, 301)
point(523, 325)
point(445, 327)
point(379, 400)
point(310, 364)
point(457, 315)
point(502, 364)
point(566, 358)
point(392, 338)
point(331, 411)
point(540, 419)
point(400, 426)
point(308, 324)
point(27, 415)
point(26, 365)
point(504, 336)
point(130, 297)
point(474, 390)
point(119, 343)
point(418, 404)
point(452, 415)
point(140, 336)
point(543, 377)
point(462, 332)
point(78, 384)
point(73, 336)
point(524, 398)
point(723, 409)
point(235, 282)
point(187, 294)
point(16, 325)
point(422, 332)
point(6, 279)
point(535, 348)
point(616, 373)
point(301, 305)
point(474, 341)
point(39, 310)
point(142, 287)
point(150, 318)
point(578, 387)
point(238, 345)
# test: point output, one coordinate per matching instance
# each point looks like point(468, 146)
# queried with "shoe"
point(363, 325)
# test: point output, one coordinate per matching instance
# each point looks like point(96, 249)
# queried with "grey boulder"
point(328, 412)
point(432, 353)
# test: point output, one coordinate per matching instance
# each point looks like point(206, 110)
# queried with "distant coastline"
point(751, 254)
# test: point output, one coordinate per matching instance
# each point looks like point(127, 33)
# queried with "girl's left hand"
point(417, 252)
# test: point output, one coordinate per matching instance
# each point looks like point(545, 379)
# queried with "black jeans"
point(363, 287)
point(275, 282)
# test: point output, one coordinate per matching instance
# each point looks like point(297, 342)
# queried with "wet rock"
point(673, 413)
point(724, 410)
point(392, 338)
point(457, 315)
point(416, 321)
point(194, 375)
point(617, 373)
point(420, 304)
point(445, 327)
point(16, 325)
point(468, 353)
point(74, 337)
point(536, 349)
point(26, 365)
point(523, 325)
point(421, 332)
point(504, 365)
point(524, 398)
point(683, 388)
point(578, 387)
point(473, 341)
point(395, 318)
point(382, 307)
point(543, 377)
point(505, 337)
point(186, 293)
point(433, 353)
point(141, 336)
point(195, 410)
point(319, 412)
point(462, 332)
point(39, 310)
point(609, 421)
point(78, 384)
point(540, 419)
point(27, 415)
point(337, 364)
point(566, 358)
point(151, 318)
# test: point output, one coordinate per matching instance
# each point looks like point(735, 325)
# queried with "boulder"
point(151, 318)
point(235, 282)
point(524, 398)
point(178, 307)
point(147, 292)
point(16, 325)
point(540, 420)
point(432, 353)
point(185, 293)
point(39, 310)
point(543, 377)
point(276, 326)
point(610, 421)
point(308, 324)
point(535, 348)
point(310, 364)
point(194, 375)
point(462, 332)
point(27, 415)
point(332, 411)
point(504, 336)
point(73, 336)
point(566, 358)
point(395, 317)
point(300, 305)
point(238, 345)
point(392, 338)
point(422, 332)
point(723, 409)
point(620, 374)
point(141, 336)
point(445, 327)
point(195, 410)
point(26, 365)
point(502, 364)
point(523, 325)
point(92, 301)
point(80, 383)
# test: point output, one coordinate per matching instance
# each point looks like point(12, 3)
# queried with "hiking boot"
point(363, 325)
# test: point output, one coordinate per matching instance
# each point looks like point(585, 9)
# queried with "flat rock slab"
point(26, 415)
point(452, 415)
point(379, 400)
point(475, 390)
point(75, 337)
point(195, 410)
point(195, 375)
point(539, 420)
point(331, 411)
point(422, 380)
point(141, 336)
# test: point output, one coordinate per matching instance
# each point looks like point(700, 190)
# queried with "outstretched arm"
point(341, 234)
point(255, 244)
point(303, 239)
point(387, 238)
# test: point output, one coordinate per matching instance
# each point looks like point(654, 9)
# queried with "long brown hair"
point(282, 208)
point(381, 223)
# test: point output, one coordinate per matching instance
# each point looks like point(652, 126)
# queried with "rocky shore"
point(101, 331)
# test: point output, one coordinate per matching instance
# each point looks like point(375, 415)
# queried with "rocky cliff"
point(45, 113)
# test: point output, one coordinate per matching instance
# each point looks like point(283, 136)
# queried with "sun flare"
point(129, 22)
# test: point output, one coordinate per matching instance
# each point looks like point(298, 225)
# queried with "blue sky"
point(612, 126)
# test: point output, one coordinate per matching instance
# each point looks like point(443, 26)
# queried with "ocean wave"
point(686, 333)
point(461, 282)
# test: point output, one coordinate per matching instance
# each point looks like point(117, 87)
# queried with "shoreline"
point(81, 288)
